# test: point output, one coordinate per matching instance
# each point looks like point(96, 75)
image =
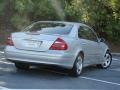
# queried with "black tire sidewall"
point(21, 66)
point(101, 66)
point(110, 59)
point(74, 69)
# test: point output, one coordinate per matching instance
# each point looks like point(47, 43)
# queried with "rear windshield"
point(49, 28)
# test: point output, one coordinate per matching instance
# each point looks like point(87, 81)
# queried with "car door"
point(89, 42)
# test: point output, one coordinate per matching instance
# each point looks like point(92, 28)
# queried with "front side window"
point(86, 33)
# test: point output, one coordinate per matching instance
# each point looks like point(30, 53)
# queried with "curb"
point(116, 54)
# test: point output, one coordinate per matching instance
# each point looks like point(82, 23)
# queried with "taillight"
point(59, 44)
point(9, 41)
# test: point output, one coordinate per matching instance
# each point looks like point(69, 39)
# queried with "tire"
point(77, 67)
point(22, 66)
point(107, 61)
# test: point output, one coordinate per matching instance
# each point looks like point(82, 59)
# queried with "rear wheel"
point(107, 61)
point(22, 66)
point(78, 66)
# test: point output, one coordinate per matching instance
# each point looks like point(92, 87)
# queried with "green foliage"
point(2, 5)
point(43, 10)
point(23, 6)
point(103, 15)
point(19, 22)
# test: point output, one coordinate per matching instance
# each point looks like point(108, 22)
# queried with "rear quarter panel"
point(74, 48)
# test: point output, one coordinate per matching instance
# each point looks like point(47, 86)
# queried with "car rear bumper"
point(52, 58)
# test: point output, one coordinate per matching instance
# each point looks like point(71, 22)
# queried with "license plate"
point(33, 44)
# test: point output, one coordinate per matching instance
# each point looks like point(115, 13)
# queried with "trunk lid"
point(33, 41)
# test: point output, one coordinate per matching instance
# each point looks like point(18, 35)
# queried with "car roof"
point(64, 22)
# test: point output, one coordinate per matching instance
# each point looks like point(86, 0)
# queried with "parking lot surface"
point(56, 78)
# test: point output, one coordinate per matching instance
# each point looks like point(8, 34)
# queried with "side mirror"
point(101, 40)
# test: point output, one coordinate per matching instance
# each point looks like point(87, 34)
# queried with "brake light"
point(59, 44)
point(9, 41)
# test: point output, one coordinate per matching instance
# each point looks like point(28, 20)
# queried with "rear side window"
point(50, 28)
point(86, 33)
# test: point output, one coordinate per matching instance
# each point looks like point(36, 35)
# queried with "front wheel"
point(78, 66)
point(107, 61)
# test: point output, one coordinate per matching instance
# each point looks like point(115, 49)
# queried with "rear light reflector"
point(59, 44)
point(9, 41)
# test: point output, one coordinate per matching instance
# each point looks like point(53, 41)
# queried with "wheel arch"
point(80, 52)
point(106, 50)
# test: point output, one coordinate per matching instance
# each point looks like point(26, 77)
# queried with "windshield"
point(49, 28)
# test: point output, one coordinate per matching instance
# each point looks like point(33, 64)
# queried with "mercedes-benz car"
point(66, 44)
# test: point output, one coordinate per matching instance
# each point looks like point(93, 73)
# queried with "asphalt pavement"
point(92, 78)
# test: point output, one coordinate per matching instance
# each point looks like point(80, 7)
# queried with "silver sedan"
point(65, 44)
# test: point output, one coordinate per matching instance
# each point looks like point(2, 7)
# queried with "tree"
point(102, 15)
